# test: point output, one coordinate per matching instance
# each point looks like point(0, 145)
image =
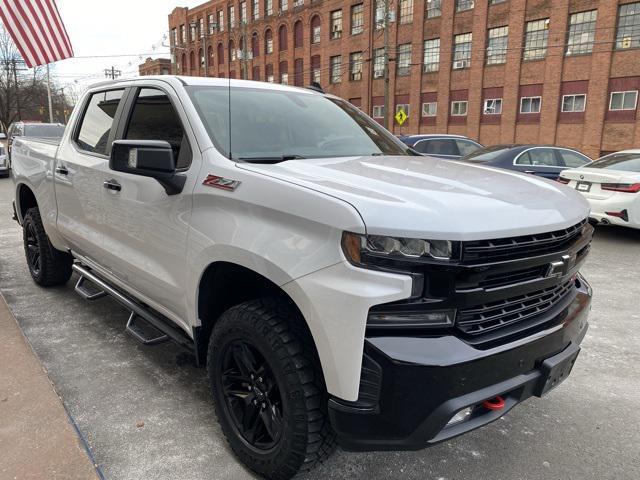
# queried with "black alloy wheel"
point(252, 395)
point(32, 247)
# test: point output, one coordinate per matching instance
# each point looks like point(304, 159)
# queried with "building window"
point(623, 100)
point(462, 5)
point(403, 106)
point(582, 32)
point(268, 41)
point(335, 69)
point(315, 68)
point(284, 5)
point(220, 21)
point(201, 27)
point(211, 24)
point(459, 108)
point(268, 73)
point(379, 19)
point(496, 2)
point(255, 9)
point(298, 34)
point(378, 63)
point(202, 60)
point(497, 45)
point(282, 38)
point(183, 34)
point(355, 66)
point(628, 35)
point(357, 19)
point(174, 36)
point(268, 7)
point(462, 51)
point(431, 55)
point(429, 109)
point(284, 78)
point(434, 8)
point(232, 16)
point(335, 23)
point(574, 103)
point(298, 3)
point(192, 32)
point(530, 104)
point(315, 29)
point(243, 12)
point(492, 106)
point(404, 59)
point(378, 111)
point(406, 11)
point(536, 39)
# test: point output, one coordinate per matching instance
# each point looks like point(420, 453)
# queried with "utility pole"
point(17, 88)
point(385, 122)
point(49, 95)
point(112, 73)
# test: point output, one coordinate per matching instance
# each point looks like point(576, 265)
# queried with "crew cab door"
point(79, 171)
point(145, 229)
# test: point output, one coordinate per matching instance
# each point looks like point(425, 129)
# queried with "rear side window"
point(438, 146)
point(542, 157)
point(154, 118)
point(466, 147)
point(93, 135)
point(573, 159)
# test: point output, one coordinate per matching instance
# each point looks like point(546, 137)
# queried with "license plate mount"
point(556, 369)
point(583, 187)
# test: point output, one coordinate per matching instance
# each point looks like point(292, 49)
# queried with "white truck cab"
point(338, 286)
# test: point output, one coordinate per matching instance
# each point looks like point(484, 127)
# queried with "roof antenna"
point(315, 86)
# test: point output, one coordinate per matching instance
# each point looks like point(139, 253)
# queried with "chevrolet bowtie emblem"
point(220, 182)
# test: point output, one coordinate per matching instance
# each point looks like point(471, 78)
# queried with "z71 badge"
point(220, 182)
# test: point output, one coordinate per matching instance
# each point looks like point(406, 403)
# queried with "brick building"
point(157, 66)
point(563, 72)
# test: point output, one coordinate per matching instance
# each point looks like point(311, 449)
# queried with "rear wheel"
point(47, 265)
point(268, 389)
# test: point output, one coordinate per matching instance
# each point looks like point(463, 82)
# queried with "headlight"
point(360, 248)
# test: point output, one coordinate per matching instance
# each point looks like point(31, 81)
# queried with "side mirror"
point(147, 158)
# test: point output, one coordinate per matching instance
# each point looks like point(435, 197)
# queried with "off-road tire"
point(274, 327)
point(54, 266)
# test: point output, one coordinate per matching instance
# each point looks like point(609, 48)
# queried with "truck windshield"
point(270, 125)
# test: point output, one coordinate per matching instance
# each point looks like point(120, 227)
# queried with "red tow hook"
point(495, 403)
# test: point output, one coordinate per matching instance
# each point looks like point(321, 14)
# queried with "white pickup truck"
point(339, 287)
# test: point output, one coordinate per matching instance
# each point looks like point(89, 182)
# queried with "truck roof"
point(205, 81)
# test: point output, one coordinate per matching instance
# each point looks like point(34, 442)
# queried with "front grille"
point(511, 278)
point(491, 316)
point(518, 247)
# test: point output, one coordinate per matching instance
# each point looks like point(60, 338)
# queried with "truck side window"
point(154, 118)
point(93, 135)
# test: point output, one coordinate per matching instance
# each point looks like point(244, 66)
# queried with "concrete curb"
point(38, 439)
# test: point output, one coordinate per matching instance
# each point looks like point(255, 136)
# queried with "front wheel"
point(47, 266)
point(268, 389)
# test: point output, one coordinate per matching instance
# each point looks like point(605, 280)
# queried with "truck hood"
point(425, 197)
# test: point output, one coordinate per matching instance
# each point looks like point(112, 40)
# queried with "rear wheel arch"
point(25, 199)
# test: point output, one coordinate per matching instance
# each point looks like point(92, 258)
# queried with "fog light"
point(461, 416)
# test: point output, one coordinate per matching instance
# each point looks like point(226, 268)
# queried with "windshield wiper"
point(278, 159)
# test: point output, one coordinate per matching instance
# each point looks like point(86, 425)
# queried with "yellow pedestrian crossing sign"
point(401, 116)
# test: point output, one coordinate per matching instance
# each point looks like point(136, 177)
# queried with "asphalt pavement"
point(145, 412)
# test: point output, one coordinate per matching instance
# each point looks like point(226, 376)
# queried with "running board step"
point(162, 326)
point(143, 331)
point(88, 290)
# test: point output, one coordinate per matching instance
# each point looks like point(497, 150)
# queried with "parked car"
point(33, 129)
point(338, 286)
point(611, 185)
point(544, 161)
point(4, 161)
point(442, 146)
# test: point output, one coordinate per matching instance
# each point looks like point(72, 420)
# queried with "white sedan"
point(612, 187)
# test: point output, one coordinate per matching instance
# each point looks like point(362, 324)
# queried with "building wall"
point(596, 74)
point(158, 66)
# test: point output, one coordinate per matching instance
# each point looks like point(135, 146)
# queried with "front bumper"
point(413, 386)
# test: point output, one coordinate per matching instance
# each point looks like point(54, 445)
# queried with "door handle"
point(62, 171)
point(533, 172)
point(112, 185)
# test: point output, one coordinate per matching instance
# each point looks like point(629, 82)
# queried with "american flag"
point(37, 30)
